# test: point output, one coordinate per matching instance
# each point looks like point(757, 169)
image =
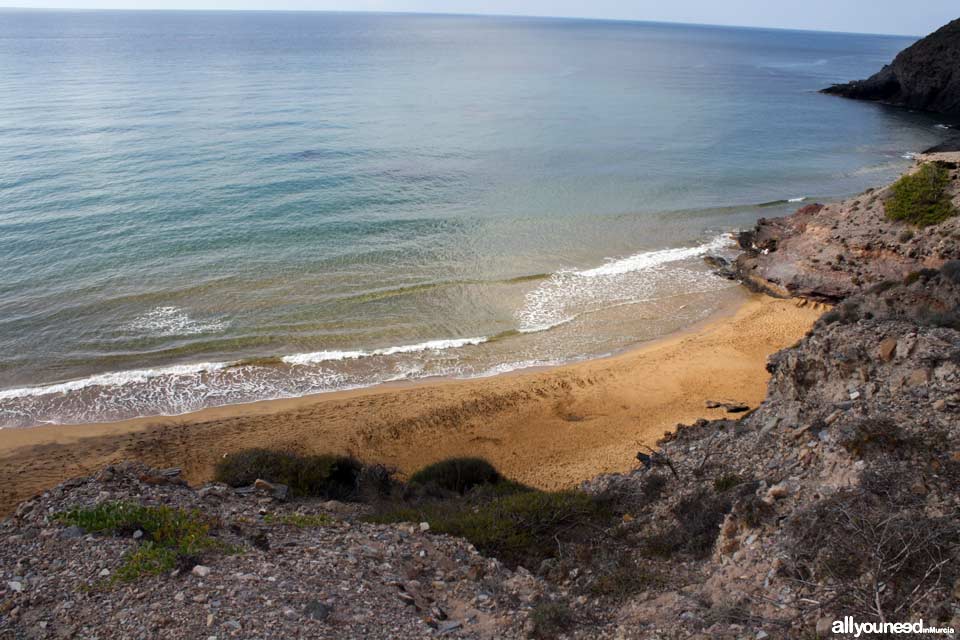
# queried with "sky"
point(914, 17)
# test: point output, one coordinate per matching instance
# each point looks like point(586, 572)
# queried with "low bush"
point(458, 474)
point(172, 538)
point(882, 558)
point(622, 578)
point(726, 482)
point(299, 520)
point(921, 198)
point(324, 476)
point(874, 435)
point(522, 528)
point(951, 271)
point(550, 620)
point(698, 517)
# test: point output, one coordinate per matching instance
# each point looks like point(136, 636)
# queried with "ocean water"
point(199, 209)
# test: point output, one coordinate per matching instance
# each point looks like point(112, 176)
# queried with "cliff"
point(924, 76)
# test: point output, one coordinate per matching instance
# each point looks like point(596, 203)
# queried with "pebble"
point(201, 571)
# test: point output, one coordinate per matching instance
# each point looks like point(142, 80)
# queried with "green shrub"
point(522, 528)
point(921, 198)
point(551, 619)
point(170, 536)
point(726, 482)
point(458, 474)
point(299, 520)
point(325, 476)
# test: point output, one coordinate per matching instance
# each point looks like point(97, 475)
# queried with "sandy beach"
point(551, 428)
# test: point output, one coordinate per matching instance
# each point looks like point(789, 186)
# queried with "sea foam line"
point(114, 379)
point(431, 345)
point(647, 259)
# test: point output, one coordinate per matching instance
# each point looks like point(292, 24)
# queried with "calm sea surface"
point(208, 208)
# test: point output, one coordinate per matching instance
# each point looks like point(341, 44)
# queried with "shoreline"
point(551, 427)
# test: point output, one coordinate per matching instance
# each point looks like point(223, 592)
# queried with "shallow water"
point(207, 208)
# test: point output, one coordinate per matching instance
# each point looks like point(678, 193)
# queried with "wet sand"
point(551, 428)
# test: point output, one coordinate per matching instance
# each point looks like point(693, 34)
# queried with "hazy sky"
point(915, 17)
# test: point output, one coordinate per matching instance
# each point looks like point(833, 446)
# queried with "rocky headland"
point(923, 76)
point(839, 495)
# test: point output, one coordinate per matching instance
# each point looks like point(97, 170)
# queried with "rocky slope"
point(922, 76)
point(853, 458)
point(828, 252)
point(307, 570)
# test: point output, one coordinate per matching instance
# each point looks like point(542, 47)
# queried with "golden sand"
point(550, 428)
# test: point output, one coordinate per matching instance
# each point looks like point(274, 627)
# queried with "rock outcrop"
point(853, 455)
point(829, 252)
point(923, 76)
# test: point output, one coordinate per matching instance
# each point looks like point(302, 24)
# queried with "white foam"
point(800, 199)
point(569, 294)
point(431, 345)
point(910, 155)
point(173, 321)
point(113, 379)
point(648, 259)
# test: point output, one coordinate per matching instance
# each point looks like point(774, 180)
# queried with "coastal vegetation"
point(921, 198)
point(333, 477)
point(169, 537)
point(458, 474)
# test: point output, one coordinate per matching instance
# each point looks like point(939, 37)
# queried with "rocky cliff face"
point(924, 76)
point(829, 252)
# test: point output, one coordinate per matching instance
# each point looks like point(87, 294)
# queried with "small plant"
point(458, 474)
point(951, 271)
point(299, 520)
point(872, 435)
point(522, 528)
point(726, 482)
point(921, 198)
point(752, 510)
point(169, 535)
point(698, 517)
point(550, 619)
point(325, 476)
point(623, 579)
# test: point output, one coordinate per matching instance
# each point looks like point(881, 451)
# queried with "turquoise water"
point(208, 208)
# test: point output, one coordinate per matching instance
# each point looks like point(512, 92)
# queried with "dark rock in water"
point(923, 76)
point(947, 146)
point(716, 262)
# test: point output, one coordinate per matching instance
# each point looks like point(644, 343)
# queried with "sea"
point(208, 208)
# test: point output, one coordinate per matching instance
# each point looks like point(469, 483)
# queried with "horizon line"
point(454, 14)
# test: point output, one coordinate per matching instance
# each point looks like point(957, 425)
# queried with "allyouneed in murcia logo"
point(849, 626)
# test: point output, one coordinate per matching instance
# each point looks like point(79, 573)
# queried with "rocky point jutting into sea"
point(923, 76)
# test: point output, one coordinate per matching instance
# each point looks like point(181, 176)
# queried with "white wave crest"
point(570, 294)
point(800, 199)
point(113, 379)
point(648, 259)
point(431, 345)
point(173, 321)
